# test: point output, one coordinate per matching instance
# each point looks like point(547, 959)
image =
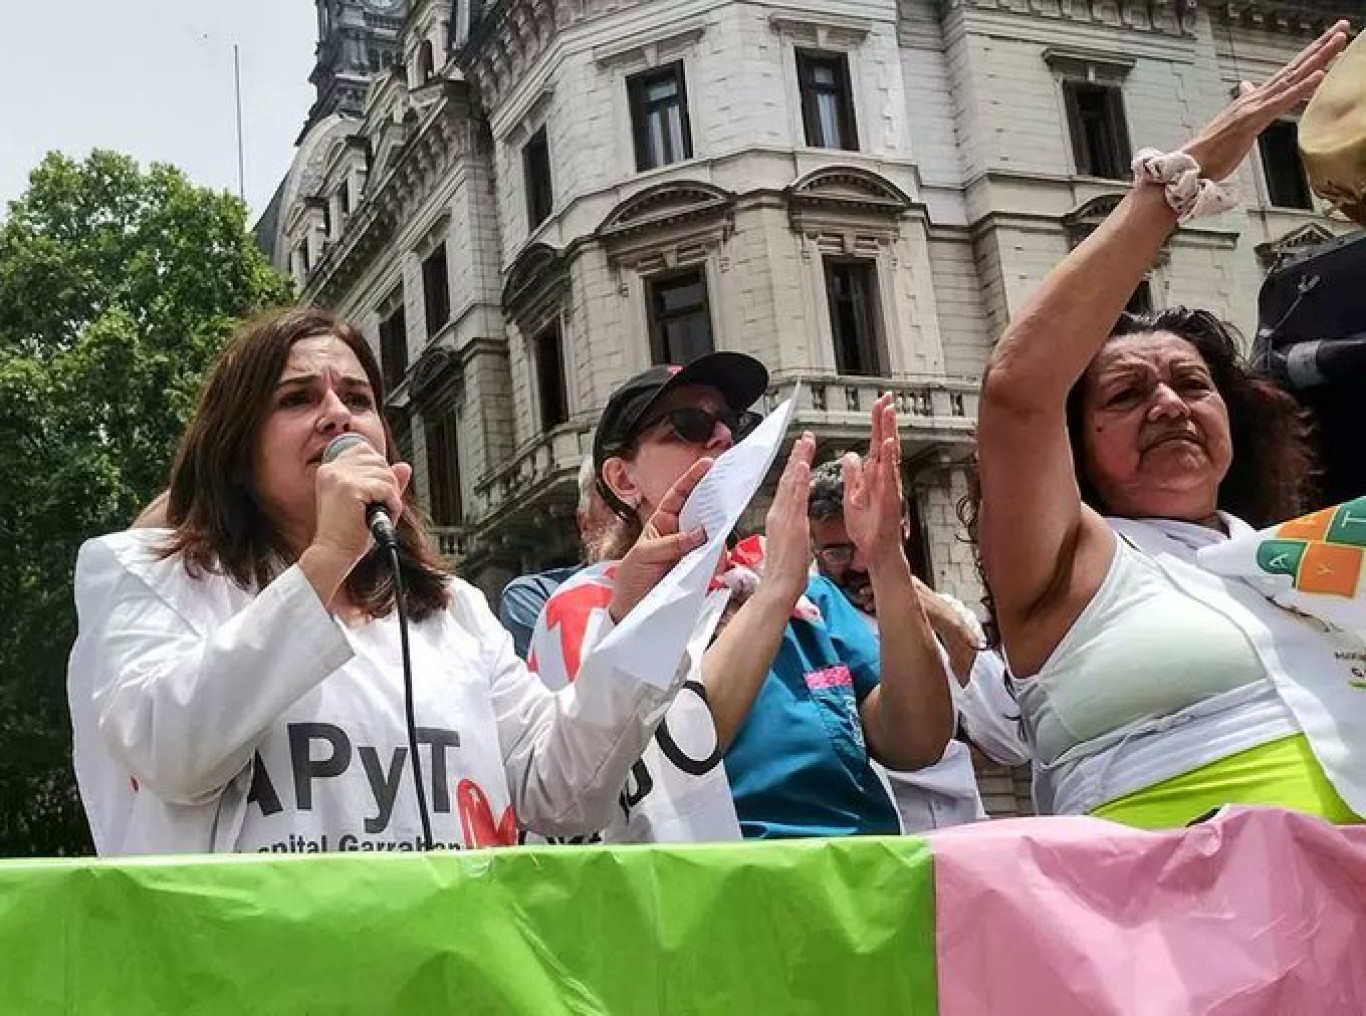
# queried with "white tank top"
point(1141, 649)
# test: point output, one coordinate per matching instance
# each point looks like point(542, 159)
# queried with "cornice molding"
point(1165, 17)
point(823, 31)
point(667, 224)
point(652, 47)
point(1274, 253)
point(1293, 17)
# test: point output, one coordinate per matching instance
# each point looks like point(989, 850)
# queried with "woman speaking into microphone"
point(238, 683)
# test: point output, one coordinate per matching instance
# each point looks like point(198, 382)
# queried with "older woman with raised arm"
point(1108, 457)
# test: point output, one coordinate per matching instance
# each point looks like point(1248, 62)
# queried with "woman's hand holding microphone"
point(349, 480)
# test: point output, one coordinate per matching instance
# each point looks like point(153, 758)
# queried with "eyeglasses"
point(696, 426)
point(836, 555)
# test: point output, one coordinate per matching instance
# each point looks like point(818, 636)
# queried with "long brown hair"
point(220, 526)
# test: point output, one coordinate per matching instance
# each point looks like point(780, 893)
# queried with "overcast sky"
point(153, 79)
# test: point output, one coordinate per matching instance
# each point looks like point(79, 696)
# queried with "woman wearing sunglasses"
point(799, 694)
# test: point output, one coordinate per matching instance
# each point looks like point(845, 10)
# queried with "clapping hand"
point(872, 487)
point(659, 547)
point(787, 550)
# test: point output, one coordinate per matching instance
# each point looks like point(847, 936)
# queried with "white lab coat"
point(180, 688)
point(945, 793)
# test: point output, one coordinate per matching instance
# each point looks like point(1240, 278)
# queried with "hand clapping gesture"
point(659, 547)
point(872, 487)
point(787, 551)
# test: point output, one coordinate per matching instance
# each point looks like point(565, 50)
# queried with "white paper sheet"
point(650, 641)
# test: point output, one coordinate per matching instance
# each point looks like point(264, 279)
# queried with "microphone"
point(1317, 362)
point(382, 529)
point(376, 514)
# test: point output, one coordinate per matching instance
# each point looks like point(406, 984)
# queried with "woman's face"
point(662, 455)
point(1155, 432)
point(322, 392)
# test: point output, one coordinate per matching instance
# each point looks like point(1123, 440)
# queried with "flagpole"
point(237, 87)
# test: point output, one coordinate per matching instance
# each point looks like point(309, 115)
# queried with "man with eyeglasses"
point(945, 793)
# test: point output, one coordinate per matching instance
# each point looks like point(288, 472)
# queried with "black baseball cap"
point(739, 378)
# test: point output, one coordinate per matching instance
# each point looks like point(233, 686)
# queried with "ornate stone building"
point(357, 39)
point(539, 198)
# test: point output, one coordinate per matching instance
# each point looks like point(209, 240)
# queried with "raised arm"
point(908, 718)
point(1044, 553)
point(737, 663)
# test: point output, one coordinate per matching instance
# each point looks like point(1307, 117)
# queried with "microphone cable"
point(1267, 334)
point(386, 541)
point(401, 606)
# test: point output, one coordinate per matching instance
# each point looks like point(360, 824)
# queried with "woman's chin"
point(1179, 466)
point(1176, 456)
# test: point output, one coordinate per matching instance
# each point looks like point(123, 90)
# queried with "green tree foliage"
point(118, 286)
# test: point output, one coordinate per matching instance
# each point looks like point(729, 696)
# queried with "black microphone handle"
point(376, 513)
point(1343, 358)
point(1318, 362)
point(381, 526)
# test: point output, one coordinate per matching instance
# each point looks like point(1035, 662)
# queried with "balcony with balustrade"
point(933, 413)
point(523, 511)
point(522, 517)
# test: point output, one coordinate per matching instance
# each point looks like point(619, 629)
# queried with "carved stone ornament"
point(433, 372)
point(535, 285)
point(835, 199)
point(1272, 254)
point(667, 217)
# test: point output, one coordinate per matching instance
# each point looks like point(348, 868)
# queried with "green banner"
point(816, 926)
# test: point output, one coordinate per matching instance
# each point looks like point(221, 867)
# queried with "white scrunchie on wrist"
point(1190, 195)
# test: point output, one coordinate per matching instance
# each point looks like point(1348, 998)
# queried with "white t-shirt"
point(207, 717)
point(335, 771)
point(678, 791)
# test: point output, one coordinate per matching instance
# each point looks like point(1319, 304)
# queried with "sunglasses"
point(696, 426)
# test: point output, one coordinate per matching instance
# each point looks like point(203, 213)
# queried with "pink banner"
point(1258, 911)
